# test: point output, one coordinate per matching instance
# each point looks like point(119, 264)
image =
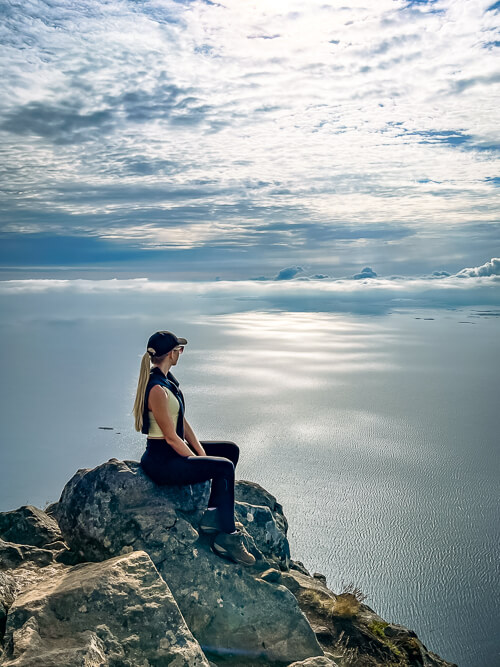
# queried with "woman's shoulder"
point(158, 390)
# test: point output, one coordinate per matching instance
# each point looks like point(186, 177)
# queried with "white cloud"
point(188, 125)
point(491, 268)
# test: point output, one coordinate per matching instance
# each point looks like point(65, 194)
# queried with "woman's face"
point(175, 354)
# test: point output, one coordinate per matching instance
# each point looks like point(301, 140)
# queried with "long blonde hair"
point(142, 383)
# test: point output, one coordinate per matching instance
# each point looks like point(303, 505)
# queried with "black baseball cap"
point(162, 342)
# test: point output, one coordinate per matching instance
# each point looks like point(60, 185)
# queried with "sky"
point(245, 141)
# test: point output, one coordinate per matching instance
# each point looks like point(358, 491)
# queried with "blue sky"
point(201, 140)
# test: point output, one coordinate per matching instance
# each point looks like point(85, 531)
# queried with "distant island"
point(116, 574)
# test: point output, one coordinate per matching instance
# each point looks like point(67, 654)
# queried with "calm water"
point(377, 434)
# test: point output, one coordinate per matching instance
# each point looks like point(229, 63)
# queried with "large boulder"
point(29, 525)
point(28, 534)
point(320, 661)
point(7, 597)
point(118, 612)
point(115, 508)
point(255, 494)
point(267, 528)
point(12, 555)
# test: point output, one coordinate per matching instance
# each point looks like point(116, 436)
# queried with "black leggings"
point(164, 465)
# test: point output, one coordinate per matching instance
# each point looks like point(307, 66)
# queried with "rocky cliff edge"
point(117, 574)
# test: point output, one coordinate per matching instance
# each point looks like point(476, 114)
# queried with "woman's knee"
point(226, 449)
point(224, 466)
point(232, 452)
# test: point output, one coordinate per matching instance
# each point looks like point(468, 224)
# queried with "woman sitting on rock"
point(175, 456)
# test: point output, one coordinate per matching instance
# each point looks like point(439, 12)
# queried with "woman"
point(174, 455)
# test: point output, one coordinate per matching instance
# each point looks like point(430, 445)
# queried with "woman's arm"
point(158, 403)
point(192, 439)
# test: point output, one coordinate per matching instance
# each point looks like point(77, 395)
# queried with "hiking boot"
point(210, 522)
point(232, 547)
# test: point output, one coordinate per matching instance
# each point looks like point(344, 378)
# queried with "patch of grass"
point(344, 605)
point(377, 627)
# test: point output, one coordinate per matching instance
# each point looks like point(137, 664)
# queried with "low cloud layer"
point(374, 295)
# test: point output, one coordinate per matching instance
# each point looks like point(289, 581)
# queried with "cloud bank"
point(372, 295)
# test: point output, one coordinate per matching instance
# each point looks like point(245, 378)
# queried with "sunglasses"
point(179, 349)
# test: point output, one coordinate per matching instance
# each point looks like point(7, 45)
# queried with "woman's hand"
point(158, 403)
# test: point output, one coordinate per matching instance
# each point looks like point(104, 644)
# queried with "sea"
point(377, 432)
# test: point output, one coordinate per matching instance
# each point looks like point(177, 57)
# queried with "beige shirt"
point(173, 410)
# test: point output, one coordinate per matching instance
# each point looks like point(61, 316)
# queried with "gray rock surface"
point(269, 535)
point(118, 612)
point(362, 637)
point(255, 494)
point(115, 508)
point(321, 661)
point(12, 555)
point(193, 609)
point(7, 596)
point(29, 525)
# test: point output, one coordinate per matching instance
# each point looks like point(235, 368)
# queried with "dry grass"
point(346, 605)
point(349, 656)
point(353, 590)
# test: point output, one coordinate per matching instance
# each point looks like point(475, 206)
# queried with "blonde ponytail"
point(141, 390)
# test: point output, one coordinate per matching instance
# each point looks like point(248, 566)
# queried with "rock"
point(12, 555)
point(7, 596)
point(254, 494)
point(85, 649)
point(116, 505)
point(261, 524)
point(252, 618)
point(359, 635)
point(321, 661)
point(228, 608)
point(322, 632)
point(299, 566)
point(29, 525)
point(408, 642)
point(118, 612)
point(122, 611)
point(393, 630)
point(271, 575)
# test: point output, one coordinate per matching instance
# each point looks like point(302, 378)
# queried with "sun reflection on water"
point(278, 346)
